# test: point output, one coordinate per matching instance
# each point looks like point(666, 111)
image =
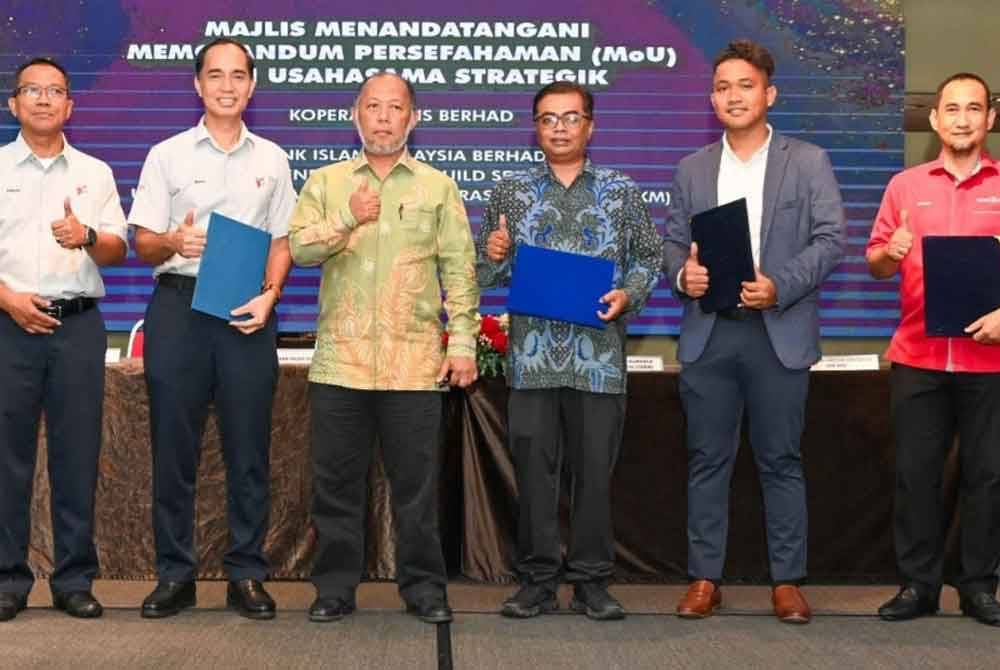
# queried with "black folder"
point(723, 237)
point(961, 281)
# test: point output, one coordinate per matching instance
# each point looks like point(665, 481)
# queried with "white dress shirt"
point(745, 179)
point(32, 193)
point(251, 183)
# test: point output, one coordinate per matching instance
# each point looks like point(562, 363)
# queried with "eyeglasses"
point(569, 119)
point(34, 91)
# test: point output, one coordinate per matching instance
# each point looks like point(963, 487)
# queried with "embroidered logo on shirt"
point(200, 181)
point(260, 181)
point(924, 203)
point(80, 190)
point(989, 200)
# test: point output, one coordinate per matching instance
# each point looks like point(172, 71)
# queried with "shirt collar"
point(24, 152)
point(405, 159)
point(985, 162)
point(201, 134)
point(727, 150)
point(588, 170)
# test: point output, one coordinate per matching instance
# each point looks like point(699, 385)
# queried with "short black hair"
point(963, 76)
point(382, 73)
point(38, 60)
point(751, 52)
point(557, 87)
point(199, 60)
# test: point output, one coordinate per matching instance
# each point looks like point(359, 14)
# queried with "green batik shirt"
point(380, 295)
point(600, 214)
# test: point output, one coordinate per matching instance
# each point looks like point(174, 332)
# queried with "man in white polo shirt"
point(192, 359)
point(60, 218)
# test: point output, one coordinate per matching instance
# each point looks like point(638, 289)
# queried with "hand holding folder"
point(560, 286)
point(721, 240)
point(232, 267)
point(961, 283)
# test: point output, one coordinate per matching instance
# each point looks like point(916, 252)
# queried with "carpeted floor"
point(845, 634)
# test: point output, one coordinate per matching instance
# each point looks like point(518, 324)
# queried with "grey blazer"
point(803, 233)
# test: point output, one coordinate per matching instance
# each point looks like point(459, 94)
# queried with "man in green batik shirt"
point(390, 233)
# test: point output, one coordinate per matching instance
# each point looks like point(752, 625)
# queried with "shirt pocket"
point(419, 230)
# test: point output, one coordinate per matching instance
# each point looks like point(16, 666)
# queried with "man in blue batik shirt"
point(567, 397)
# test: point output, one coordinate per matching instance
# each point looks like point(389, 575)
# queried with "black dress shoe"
point(593, 599)
point(983, 607)
point(11, 604)
point(248, 597)
point(329, 609)
point(81, 604)
point(432, 609)
point(530, 600)
point(167, 599)
point(909, 603)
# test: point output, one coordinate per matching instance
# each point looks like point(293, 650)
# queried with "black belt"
point(739, 313)
point(179, 282)
point(60, 309)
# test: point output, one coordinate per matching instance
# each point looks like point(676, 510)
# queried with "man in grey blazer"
point(754, 357)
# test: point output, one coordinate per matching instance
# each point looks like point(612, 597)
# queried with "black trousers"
point(739, 371)
point(344, 425)
point(928, 408)
point(191, 360)
point(545, 427)
point(63, 375)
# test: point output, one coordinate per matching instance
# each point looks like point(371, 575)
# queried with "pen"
point(400, 211)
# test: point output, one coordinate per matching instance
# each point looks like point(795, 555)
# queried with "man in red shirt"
point(940, 385)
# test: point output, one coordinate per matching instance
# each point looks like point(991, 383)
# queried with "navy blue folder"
point(232, 267)
point(723, 237)
point(961, 282)
point(560, 286)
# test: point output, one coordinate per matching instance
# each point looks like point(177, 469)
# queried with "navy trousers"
point(740, 372)
point(191, 360)
point(63, 375)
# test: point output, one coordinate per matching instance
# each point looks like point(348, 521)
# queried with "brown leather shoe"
point(790, 605)
point(700, 601)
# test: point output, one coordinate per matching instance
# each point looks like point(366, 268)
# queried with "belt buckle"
point(55, 311)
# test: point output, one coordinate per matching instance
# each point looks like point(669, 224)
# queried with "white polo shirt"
point(745, 179)
point(251, 183)
point(32, 192)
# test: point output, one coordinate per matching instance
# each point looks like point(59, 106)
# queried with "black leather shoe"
point(431, 609)
point(11, 604)
point(910, 603)
point(167, 599)
point(329, 609)
point(530, 600)
point(983, 607)
point(248, 597)
point(593, 599)
point(81, 604)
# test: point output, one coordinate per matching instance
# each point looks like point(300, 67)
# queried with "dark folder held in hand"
point(723, 237)
point(961, 282)
point(559, 285)
point(232, 267)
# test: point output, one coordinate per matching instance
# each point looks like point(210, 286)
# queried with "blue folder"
point(723, 237)
point(961, 282)
point(232, 267)
point(559, 285)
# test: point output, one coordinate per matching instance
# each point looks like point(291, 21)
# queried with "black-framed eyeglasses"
point(34, 91)
point(568, 119)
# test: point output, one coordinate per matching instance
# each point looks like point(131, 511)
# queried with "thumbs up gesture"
point(68, 230)
point(694, 275)
point(365, 203)
point(187, 240)
point(901, 240)
point(498, 243)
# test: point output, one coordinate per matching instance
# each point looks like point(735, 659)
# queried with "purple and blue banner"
point(839, 78)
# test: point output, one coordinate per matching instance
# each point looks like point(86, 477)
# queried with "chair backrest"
point(136, 339)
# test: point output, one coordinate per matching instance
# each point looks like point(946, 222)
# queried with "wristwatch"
point(91, 237)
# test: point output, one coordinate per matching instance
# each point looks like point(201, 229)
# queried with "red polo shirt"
point(937, 205)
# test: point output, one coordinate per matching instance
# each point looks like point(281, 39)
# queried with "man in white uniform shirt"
point(192, 358)
point(60, 218)
point(754, 357)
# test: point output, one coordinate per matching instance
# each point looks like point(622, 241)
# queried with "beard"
point(383, 149)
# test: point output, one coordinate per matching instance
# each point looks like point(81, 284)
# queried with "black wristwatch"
point(91, 237)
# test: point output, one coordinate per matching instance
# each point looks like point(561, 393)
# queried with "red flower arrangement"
point(491, 345)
